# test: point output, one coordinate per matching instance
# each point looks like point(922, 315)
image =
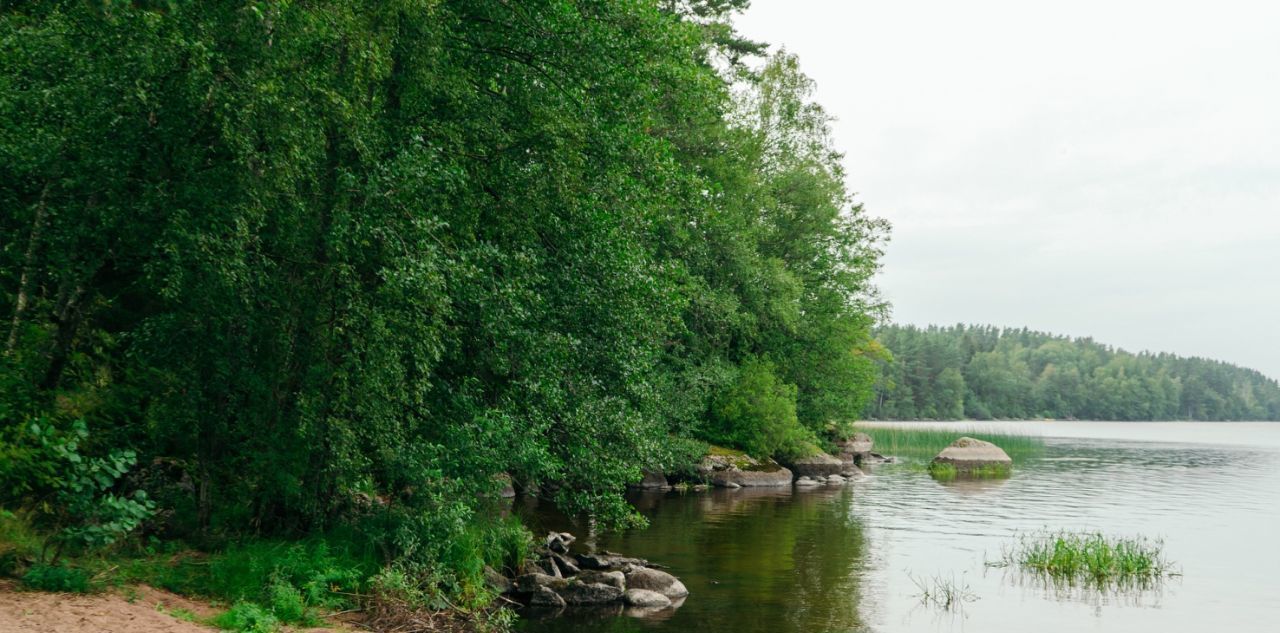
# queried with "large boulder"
point(762, 476)
point(656, 580)
point(967, 454)
point(738, 470)
point(819, 465)
point(853, 449)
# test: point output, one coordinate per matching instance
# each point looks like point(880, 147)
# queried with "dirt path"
point(147, 612)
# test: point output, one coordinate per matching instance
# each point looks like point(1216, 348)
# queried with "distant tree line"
point(985, 372)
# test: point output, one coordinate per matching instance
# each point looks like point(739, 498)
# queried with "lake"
point(849, 558)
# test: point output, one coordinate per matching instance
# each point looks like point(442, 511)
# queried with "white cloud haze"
point(1105, 169)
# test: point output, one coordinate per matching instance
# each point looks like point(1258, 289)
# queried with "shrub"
point(247, 617)
point(286, 601)
point(56, 578)
point(79, 504)
point(758, 415)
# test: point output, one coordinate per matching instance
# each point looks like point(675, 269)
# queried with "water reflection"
point(841, 559)
point(754, 560)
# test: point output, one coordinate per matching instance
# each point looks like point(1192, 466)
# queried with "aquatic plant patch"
point(947, 594)
point(1088, 557)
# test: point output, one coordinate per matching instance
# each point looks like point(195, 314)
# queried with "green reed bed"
point(1093, 558)
point(910, 441)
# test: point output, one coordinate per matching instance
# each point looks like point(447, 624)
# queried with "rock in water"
point(611, 578)
point(753, 476)
point(652, 481)
point(967, 453)
point(545, 597)
point(655, 580)
point(589, 593)
point(607, 561)
point(853, 449)
point(819, 465)
point(645, 598)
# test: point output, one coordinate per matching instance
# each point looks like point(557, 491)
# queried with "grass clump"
point(1094, 558)
point(947, 594)
point(924, 442)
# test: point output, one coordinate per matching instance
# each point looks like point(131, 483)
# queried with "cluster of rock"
point(857, 450)
point(735, 470)
point(560, 578)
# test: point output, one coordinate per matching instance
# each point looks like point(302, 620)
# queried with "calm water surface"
point(843, 559)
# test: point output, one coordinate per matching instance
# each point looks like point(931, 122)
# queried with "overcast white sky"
point(1091, 168)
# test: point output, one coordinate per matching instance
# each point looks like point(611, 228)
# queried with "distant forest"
point(986, 372)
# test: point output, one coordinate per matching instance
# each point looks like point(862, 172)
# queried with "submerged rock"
point(967, 454)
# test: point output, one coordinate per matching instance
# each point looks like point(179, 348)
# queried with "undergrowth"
point(273, 583)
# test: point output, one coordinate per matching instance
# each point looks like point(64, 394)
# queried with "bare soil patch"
point(112, 612)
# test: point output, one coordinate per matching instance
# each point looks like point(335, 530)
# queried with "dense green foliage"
point(986, 372)
point(341, 265)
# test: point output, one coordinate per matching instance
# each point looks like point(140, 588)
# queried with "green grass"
point(1092, 558)
point(947, 594)
point(916, 442)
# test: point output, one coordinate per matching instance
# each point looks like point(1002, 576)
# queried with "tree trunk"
point(28, 272)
